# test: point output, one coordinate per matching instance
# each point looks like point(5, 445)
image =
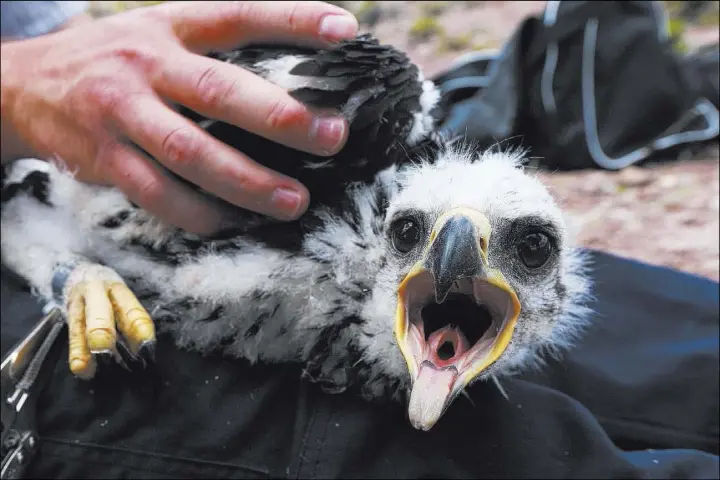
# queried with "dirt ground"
point(665, 214)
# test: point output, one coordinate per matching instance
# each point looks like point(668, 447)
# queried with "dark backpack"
point(587, 84)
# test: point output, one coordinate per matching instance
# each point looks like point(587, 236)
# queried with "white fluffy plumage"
point(307, 292)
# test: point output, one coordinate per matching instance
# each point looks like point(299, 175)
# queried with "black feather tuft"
point(215, 315)
point(34, 184)
point(115, 221)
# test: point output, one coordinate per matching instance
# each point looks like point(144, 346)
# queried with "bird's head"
point(479, 275)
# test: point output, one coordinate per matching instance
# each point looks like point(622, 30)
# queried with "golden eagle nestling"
point(420, 266)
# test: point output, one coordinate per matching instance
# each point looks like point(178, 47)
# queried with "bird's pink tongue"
point(436, 376)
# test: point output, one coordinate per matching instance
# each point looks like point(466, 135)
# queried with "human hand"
point(83, 93)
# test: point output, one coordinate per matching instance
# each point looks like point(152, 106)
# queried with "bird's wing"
point(376, 87)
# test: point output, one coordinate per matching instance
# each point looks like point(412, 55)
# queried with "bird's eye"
point(405, 234)
point(534, 250)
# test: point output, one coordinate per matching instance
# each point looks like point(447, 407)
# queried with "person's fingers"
point(205, 26)
point(237, 96)
point(187, 150)
point(147, 186)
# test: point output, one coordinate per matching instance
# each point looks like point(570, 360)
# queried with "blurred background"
point(628, 213)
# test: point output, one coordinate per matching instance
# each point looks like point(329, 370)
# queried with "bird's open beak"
point(455, 314)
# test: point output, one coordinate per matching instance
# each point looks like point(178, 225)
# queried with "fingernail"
point(328, 132)
point(338, 27)
point(287, 203)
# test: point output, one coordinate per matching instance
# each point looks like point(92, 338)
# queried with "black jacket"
point(637, 398)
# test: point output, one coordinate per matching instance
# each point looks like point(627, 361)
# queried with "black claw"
point(108, 358)
point(104, 359)
point(147, 351)
point(126, 357)
point(119, 360)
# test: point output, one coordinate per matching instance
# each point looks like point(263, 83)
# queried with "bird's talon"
point(104, 358)
point(147, 351)
point(120, 361)
point(106, 352)
point(98, 307)
point(131, 317)
point(125, 354)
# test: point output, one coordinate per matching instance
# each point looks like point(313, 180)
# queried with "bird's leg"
point(104, 319)
point(50, 225)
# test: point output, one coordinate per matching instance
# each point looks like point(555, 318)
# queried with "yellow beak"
point(454, 260)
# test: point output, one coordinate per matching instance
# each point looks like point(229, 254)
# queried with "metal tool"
point(20, 370)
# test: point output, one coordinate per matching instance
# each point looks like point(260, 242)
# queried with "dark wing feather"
point(380, 94)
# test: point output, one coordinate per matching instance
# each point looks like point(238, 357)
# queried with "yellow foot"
point(99, 303)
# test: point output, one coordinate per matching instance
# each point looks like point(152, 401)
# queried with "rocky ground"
point(664, 214)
